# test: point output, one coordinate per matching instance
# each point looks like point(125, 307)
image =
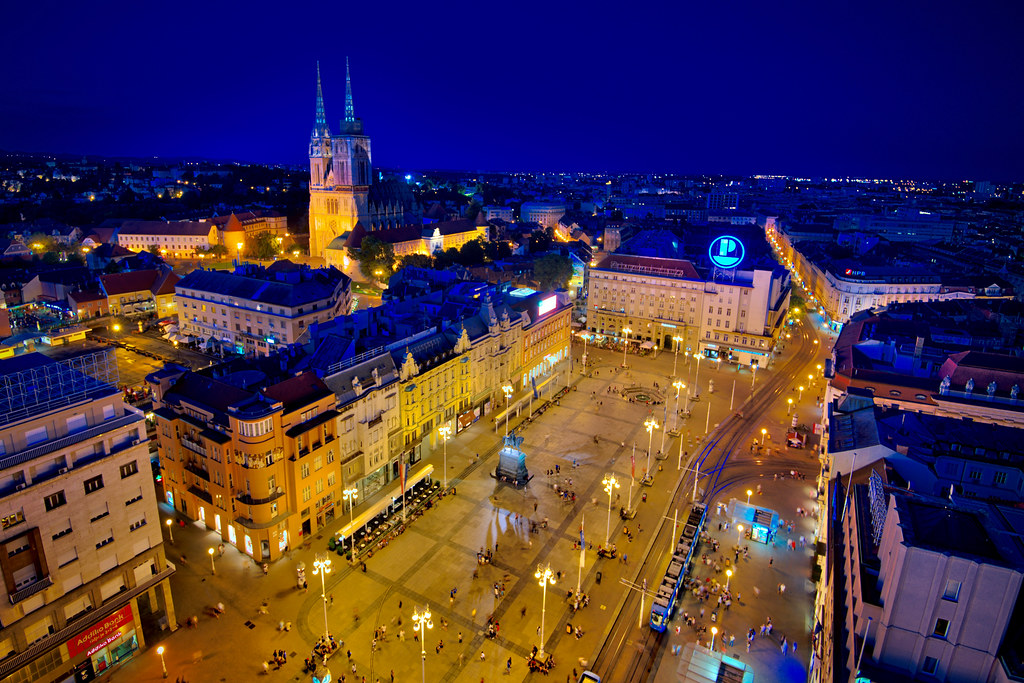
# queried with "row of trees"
point(377, 261)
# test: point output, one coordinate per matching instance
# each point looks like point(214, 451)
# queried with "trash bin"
point(599, 577)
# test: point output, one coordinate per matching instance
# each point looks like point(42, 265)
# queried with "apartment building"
point(245, 448)
point(84, 572)
point(140, 292)
point(545, 214)
point(255, 309)
point(734, 317)
point(178, 239)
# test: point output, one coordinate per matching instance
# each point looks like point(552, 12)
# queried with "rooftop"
point(267, 287)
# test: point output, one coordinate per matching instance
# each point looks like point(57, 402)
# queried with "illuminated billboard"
point(547, 305)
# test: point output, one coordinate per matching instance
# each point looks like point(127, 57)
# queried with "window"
point(330, 479)
point(34, 436)
point(54, 500)
point(975, 475)
point(1000, 478)
point(330, 457)
point(94, 484)
point(952, 591)
point(930, 665)
point(129, 469)
point(941, 627)
point(306, 494)
point(305, 470)
point(318, 462)
point(309, 414)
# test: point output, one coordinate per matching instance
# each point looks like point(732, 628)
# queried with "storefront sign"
point(726, 251)
point(101, 634)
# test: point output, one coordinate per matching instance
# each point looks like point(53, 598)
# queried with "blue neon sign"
point(726, 251)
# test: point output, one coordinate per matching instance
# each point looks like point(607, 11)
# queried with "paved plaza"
point(439, 552)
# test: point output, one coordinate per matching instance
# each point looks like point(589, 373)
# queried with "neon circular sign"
point(726, 251)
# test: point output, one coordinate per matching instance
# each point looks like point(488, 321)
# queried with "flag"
point(632, 464)
point(582, 542)
point(533, 383)
point(403, 471)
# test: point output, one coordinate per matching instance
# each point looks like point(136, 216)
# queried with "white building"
point(504, 213)
point(543, 213)
point(179, 239)
point(82, 549)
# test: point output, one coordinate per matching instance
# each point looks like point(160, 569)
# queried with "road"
point(725, 463)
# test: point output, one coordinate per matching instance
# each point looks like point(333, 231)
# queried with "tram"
point(678, 566)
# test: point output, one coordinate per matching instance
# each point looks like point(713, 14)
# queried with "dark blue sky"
point(889, 88)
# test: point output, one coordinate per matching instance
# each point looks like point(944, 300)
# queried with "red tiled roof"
point(124, 283)
point(86, 296)
point(298, 391)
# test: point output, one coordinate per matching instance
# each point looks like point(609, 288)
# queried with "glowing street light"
point(696, 384)
point(421, 622)
point(507, 389)
point(349, 496)
point(763, 433)
point(676, 356)
point(739, 534)
point(586, 338)
point(749, 494)
point(322, 566)
point(239, 251)
point(170, 530)
point(544, 577)
point(789, 407)
point(213, 567)
point(801, 396)
point(679, 385)
point(445, 431)
point(714, 632)
point(728, 578)
point(610, 483)
point(650, 424)
point(163, 664)
point(625, 344)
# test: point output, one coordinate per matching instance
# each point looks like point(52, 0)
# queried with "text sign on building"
point(102, 633)
point(546, 305)
point(726, 251)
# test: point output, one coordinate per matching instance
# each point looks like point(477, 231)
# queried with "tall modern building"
point(82, 559)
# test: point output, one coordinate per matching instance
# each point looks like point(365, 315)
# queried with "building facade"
point(140, 292)
point(178, 239)
point(254, 309)
point(83, 560)
point(545, 214)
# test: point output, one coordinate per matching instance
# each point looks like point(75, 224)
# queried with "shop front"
point(760, 522)
point(103, 645)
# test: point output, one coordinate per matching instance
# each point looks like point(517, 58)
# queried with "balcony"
point(200, 494)
point(30, 590)
point(247, 499)
point(195, 469)
point(70, 440)
point(193, 446)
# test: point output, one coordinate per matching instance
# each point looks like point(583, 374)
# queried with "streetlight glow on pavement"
point(544, 576)
point(421, 622)
point(610, 483)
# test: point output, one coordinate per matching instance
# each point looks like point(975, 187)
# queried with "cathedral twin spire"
point(349, 124)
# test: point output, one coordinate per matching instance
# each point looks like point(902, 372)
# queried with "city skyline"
point(881, 93)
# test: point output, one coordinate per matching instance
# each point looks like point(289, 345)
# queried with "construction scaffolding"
point(53, 384)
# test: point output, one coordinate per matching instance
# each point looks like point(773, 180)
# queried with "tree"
point(471, 253)
point(497, 250)
point(263, 246)
point(415, 261)
point(376, 259)
point(154, 250)
point(540, 241)
point(552, 271)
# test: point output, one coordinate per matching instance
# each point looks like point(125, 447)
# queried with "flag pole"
point(632, 474)
point(583, 547)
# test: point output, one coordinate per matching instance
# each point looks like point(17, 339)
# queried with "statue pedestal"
point(512, 462)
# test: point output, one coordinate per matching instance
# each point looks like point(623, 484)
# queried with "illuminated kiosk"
point(512, 462)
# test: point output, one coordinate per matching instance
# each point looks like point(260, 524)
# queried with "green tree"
point(263, 246)
point(552, 271)
point(376, 259)
point(416, 261)
point(497, 250)
point(472, 253)
point(154, 250)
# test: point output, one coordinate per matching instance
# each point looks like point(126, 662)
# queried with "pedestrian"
point(771, 561)
point(508, 666)
point(332, 599)
point(460, 636)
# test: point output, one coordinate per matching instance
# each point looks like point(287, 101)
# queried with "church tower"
point(339, 176)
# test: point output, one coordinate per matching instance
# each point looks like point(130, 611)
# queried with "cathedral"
point(342, 192)
point(346, 203)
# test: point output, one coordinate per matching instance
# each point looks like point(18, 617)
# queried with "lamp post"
point(544, 577)
point(749, 493)
point(789, 406)
point(679, 385)
point(213, 567)
point(650, 424)
point(819, 364)
point(586, 338)
point(728, 578)
point(507, 389)
point(170, 530)
point(163, 664)
point(800, 397)
point(739, 534)
point(610, 483)
point(753, 375)
point(625, 344)
point(349, 496)
point(714, 632)
point(696, 384)
point(445, 431)
point(675, 358)
point(764, 432)
point(421, 622)
point(238, 252)
point(322, 566)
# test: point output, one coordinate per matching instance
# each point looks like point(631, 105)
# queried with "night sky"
point(882, 89)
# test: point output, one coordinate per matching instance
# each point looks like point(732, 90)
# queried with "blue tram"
point(671, 586)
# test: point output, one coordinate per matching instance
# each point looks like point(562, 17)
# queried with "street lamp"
point(728, 578)
point(696, 384)
point(739, 534)
point(749, 493)
point(507, 389)
point(170, 530)
point(625, 344)
point(238, 253)
point(679, 385)
point(650, 424)
point(544, 577)
point(789, 407)
point(421, 622)
point(676, 356)
point(163, 664)
point(586, 338)
point(801, 396)
point(349, 496)
point(213, 567)
point(753, 375)
point(714, 632)
point(610, 483)
point(763, 433)
point(445, 431)
point(322, 566)
point(819, 366)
